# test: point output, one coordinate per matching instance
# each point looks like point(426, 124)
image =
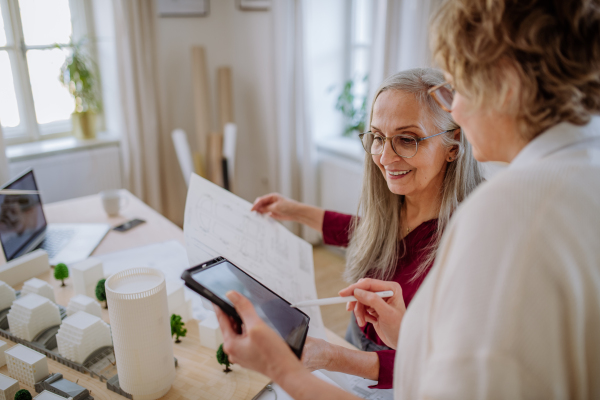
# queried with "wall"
point(243, 41)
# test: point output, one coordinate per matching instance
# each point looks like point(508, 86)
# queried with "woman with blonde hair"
point(511, 308)
point(418, 168)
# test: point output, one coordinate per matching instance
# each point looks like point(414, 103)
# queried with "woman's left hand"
point(258, 347)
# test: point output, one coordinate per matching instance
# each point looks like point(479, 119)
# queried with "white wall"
point(243, 41)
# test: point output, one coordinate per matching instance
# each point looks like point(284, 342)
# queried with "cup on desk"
point(113, 201)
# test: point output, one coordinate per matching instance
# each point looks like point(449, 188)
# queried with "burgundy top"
point(336, 229)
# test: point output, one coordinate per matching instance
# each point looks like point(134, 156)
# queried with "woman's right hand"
point(276, 206)
point(385, 314)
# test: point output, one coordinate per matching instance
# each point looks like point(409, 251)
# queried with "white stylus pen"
point(336, 300)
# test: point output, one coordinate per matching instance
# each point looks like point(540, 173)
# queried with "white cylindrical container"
point(141, 331)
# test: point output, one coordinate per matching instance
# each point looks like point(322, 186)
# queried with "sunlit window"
point(33, 103)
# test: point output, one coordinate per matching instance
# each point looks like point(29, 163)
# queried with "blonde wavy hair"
point(375, 245)
point(551, 47)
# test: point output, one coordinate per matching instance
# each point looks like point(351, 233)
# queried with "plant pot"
point(84, 125)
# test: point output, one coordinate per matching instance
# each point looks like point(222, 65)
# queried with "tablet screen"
point(290, 323)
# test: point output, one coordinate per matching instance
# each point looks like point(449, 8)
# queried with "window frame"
point(30, 130)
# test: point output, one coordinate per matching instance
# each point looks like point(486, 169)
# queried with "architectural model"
point(141, 331)
point(7, 296)
point(56, 384)
point(80, 335)
point(46, 395)
point(178, 304)
point(85, 275)
point(31, 315)
point(82, 302)
point(38, 286)
point(3, 348)
point(210, 333)
point(26, 365)
point(8, 387)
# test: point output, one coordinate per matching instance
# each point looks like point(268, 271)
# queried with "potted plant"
point(353, 107)
point(78, 75)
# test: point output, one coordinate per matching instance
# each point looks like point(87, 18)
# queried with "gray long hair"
point(375, 246)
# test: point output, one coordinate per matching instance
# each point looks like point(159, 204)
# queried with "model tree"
point(101, 292)
point(61, 272)
point(223, 359)
point(23, 394)
point(177, 327)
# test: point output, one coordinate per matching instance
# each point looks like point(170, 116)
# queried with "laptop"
point(23, 227)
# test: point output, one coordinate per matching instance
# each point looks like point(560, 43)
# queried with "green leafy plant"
point(23, 394)
point(223, 359)
point(77, 74)
point(353, 107)
point(177, 327)
point(61, 272)
point(101, 292)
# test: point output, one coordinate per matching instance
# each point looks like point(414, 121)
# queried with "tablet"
point(216, 277)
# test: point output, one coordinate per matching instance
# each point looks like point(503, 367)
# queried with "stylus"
point(336, 300)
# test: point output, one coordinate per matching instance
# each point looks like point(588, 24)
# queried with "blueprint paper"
point(169, 257)
point(218, 223)
point(354, 384)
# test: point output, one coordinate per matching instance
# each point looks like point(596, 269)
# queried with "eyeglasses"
point(405, 146)
point(444, 95)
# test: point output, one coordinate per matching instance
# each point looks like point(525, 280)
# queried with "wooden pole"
point(225, 93)
point(202, 109)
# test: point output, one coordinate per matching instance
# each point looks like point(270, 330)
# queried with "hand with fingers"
point(258, 347)
point(284, 209)
point(276, 206)
point(384, 313)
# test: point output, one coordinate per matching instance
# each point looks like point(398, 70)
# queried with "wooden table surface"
point(199, 376)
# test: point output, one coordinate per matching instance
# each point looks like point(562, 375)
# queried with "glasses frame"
point(391, 139)
point(433, 93)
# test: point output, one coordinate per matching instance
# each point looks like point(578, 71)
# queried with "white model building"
point(46, 395)
point(80, 335)
point(30, 315)
point(178, 304)
point(26, 365)
point(8, 387)
point(38, 286)
point(209, 332)
point(85, 276)
point(82, 302)
point(7, 296)
point(3, 348)
point(141, 331)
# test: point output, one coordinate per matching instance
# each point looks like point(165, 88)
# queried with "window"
point(338, 45)
point(33, 103)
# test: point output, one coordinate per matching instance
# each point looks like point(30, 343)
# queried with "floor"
point(329, 267)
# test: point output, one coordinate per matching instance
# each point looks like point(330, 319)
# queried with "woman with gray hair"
point(418, 168)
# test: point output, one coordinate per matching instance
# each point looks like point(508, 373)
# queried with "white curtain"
point(136, 58)
point(400, 37)
point(295, 157)
point(4, 173)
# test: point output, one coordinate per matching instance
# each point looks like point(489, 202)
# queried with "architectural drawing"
point(218, 223)
point(38, 286)
point(26, 365)
point(32, 314)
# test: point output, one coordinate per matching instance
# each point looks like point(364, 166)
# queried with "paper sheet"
point(218, 223)
point(354, 384)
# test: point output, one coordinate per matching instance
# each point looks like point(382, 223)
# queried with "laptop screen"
point(21, 216)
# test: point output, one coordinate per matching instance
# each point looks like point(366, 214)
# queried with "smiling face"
point(397, 112)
